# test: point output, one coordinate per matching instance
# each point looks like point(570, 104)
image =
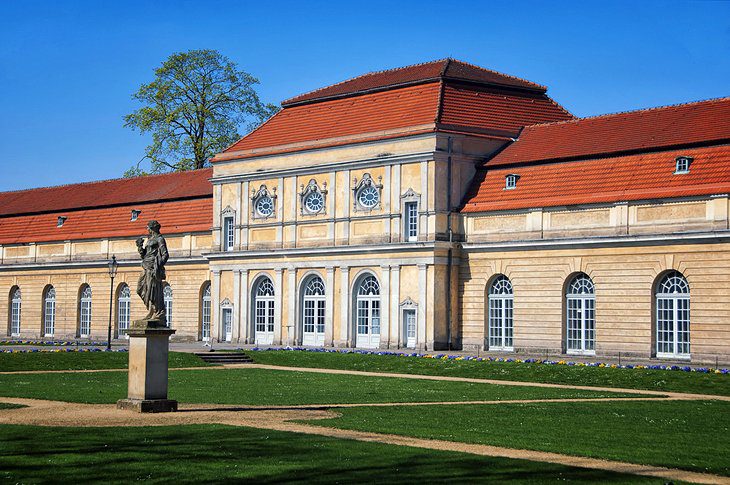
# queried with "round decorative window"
point(314, 202)
point(368, 197)
point(265, 206)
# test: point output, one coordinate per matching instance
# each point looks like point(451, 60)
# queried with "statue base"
point(148, 405)
point(149, 342)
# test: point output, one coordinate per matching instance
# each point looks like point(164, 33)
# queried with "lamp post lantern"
point(112, 273)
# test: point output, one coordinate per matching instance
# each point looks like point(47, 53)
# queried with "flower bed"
point(685, 368)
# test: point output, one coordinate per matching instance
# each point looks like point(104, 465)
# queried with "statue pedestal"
point(147, 388)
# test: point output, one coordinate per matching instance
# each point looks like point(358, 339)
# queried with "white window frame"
point(580, 317)
point(410, 329)
point(681, 165)
point(168, 296)
point(500, 307)
point(410, 223)
point(16, 306)
point(263, 308)
point(49, 312)
point(205, 313)
point(368, 312)
point(510, 181)
point(366, 182)
point(226, 320)
point(229, 234)
point(85, 312)
point(304, 194)
point(259, 194)
point(124, 301)
point(313, 311)
point(672, 312)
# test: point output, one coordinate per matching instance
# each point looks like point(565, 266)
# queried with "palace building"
point(435, 206)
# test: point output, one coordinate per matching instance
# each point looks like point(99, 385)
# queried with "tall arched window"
point(15, 303)
point(85, 311)
point(263, 310)
point(672, 316)
point(313, 306)
point(49, 311)
point(123, 302)
point(580, 302)
point(501, 304)
point(167, 294)
point(367, 312)
point(205, 308)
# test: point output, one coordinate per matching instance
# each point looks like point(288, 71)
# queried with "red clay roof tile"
point(602, 180)
point(138, 190)
point(175, 217)
point(428, 71)
point(641, 130)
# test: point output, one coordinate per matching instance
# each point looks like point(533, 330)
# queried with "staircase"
point(225, 357)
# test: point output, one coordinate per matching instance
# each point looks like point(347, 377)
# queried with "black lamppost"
point(112, 273)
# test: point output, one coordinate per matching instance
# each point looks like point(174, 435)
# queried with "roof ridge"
point(104, 181)
point(541, 86)
point(640, 110)
point(371, 73)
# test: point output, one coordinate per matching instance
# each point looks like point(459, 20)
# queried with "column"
point(217, 201)
point(421, 336)
point(347, 209)
point(244, 297)
point(215, 305)
point(425, 207)
point(245, 215)
point(396, 331)
point(387, 204)
point(235, 331)
point(278, 298)
point(329, 305)
point(395, 206)
point(292, 336)
point(384, 305)
point(345, 307)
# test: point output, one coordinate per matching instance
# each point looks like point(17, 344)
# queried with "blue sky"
point(67, 69)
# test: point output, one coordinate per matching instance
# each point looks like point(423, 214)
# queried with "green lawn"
point(693, 435)
point(82, 360)
point(655, 380)
point(218, 454)
point(271, 387)
point(5, 405)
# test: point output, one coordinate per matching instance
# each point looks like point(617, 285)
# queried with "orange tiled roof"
point(105, 193)
point(450, 96)
point(602, 180)
point(684, 124)
point(417, 73)
point(176, 217)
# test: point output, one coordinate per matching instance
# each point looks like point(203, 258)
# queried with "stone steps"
point(225, 357)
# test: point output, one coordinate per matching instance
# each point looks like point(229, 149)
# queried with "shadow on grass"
point(216, 454)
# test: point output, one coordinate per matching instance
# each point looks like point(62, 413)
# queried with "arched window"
point(580, 302)
point(672, 316)
point(263, 310)
point(167, 294)
point(49, 311)
point(15, 303)
point(85, 311)
point(205, 308)
point(501, 304)
point(123, 302)
point(313, 310)
point(367, 312)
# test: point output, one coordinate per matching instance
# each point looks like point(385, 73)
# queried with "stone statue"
point(150, 286)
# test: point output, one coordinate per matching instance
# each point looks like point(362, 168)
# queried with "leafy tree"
point(193, 110)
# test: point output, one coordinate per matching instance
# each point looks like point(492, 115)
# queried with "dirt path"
point(55, 413)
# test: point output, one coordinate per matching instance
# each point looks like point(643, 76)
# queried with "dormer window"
point(682, 165)
point(135, 214)
point(61, 220)
point(510, 181)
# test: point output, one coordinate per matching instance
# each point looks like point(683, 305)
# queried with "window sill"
point(674, 356)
